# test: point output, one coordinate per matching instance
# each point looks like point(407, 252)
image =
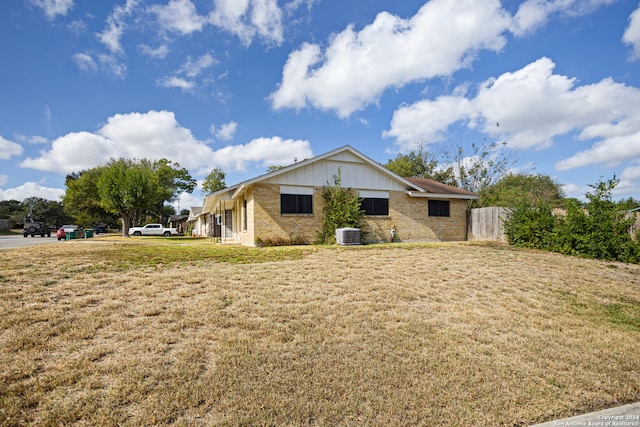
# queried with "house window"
point(438, 208)
point(296, 204)
point(244, 215)
point(375, 206)
point(296, 200)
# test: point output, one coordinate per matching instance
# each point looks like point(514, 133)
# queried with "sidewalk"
point(623, 416)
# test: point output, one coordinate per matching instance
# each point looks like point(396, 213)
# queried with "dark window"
point(296, 204)
point(375, 206)
point(438, 208)
point(244, 215)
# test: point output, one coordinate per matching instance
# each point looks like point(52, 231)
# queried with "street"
point(16, 241)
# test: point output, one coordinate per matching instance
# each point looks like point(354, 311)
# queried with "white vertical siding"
point(354, 173)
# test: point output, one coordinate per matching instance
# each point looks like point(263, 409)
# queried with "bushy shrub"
point(280, 241)
point(342, 208)
point(530, 226)
point(598, 230)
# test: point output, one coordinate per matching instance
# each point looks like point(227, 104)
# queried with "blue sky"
point(245, 84)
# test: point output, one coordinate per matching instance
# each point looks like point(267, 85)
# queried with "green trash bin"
point(67, 236)
point(72, 234)
point(88, 233)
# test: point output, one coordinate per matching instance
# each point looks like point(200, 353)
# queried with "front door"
point(228, 224)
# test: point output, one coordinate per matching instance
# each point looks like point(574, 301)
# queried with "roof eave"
point(442, 195)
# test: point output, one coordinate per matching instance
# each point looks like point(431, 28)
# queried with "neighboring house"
point(196, 221)
point(201, 223)
point(179, 222)
point(287, 203)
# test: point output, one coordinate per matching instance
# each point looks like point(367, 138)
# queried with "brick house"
point(287, 203)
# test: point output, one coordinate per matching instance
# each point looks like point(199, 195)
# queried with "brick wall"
point(409, 216)
point(269, 223)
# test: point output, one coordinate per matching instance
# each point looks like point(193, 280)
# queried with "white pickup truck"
point(153, 230)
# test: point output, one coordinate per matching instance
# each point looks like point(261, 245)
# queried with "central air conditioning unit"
point(348, 236)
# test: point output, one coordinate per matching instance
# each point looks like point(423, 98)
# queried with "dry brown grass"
point(152, 333)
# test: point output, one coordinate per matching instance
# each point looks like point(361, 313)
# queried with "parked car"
point(61, 234)
point(71, 228)
point(153, 230)
point(101, 228)
point(31, 228)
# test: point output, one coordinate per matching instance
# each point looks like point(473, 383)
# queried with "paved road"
point(16, 241)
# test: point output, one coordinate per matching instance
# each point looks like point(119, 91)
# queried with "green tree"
point(417, 164)
point(512, 189)
point(85, 203)
point(173, 180)
point(341, 209)
point(214, 181)
point(599, 229)
point(82, 201)
point(128, 188)
point(48, 211)
point(12, 210)
point(607, 227)
point(530, 226)
point(486, 165)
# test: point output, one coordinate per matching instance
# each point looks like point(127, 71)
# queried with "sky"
point(242, 85)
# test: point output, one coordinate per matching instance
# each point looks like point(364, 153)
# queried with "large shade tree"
point(130, 190)
point(82, 201)
point(173, 180)
point(513, 189)
point(127, 187)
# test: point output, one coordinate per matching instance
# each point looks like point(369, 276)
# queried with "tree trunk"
point(126, 223)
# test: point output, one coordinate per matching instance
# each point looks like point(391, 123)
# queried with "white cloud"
point(34, 139)
point(426, 121)
point(111, 62)
point(9, 149)
point(246, 18)
point(291, 7)
point(610, 151)
point(186, 201)
point(180, 16)
point(72, 153)
point(264, 151)
point(190, 70)
point(155, 135)
point(576, 191)
point(116, 25)
point(51, 8)
point(632, 172)
point(533, 106)
point(533, 14)
point(632, 34)
point(3, 179)
point(160, 52)
point(225, 132)
point(443, 36)
point(77, 26)
point(193, 68)
point(177, 82)
point(31, 189)
point(85, 62)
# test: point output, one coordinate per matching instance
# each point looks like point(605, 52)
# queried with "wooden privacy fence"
point(487, 224)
